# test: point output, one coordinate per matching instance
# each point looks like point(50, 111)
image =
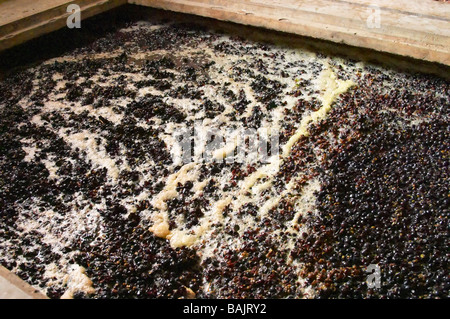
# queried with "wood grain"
point(416, 28)
point(12, 287)
point(22, 20)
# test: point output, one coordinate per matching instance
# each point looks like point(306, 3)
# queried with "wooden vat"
point(413, 29)
point(419, 29)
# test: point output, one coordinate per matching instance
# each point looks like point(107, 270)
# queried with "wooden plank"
point(415, 28)
point(13, 10)
point(22, 20)
point(12, 287)
point(418, 8)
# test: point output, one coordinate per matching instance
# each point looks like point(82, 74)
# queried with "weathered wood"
point(415, 28)
point(12, 287)
point(22, 20)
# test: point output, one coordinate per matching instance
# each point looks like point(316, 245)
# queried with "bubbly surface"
point(96, 200)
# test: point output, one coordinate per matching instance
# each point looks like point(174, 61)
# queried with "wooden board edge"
point(21, 285)
point(372, 41)
point(56, 22)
